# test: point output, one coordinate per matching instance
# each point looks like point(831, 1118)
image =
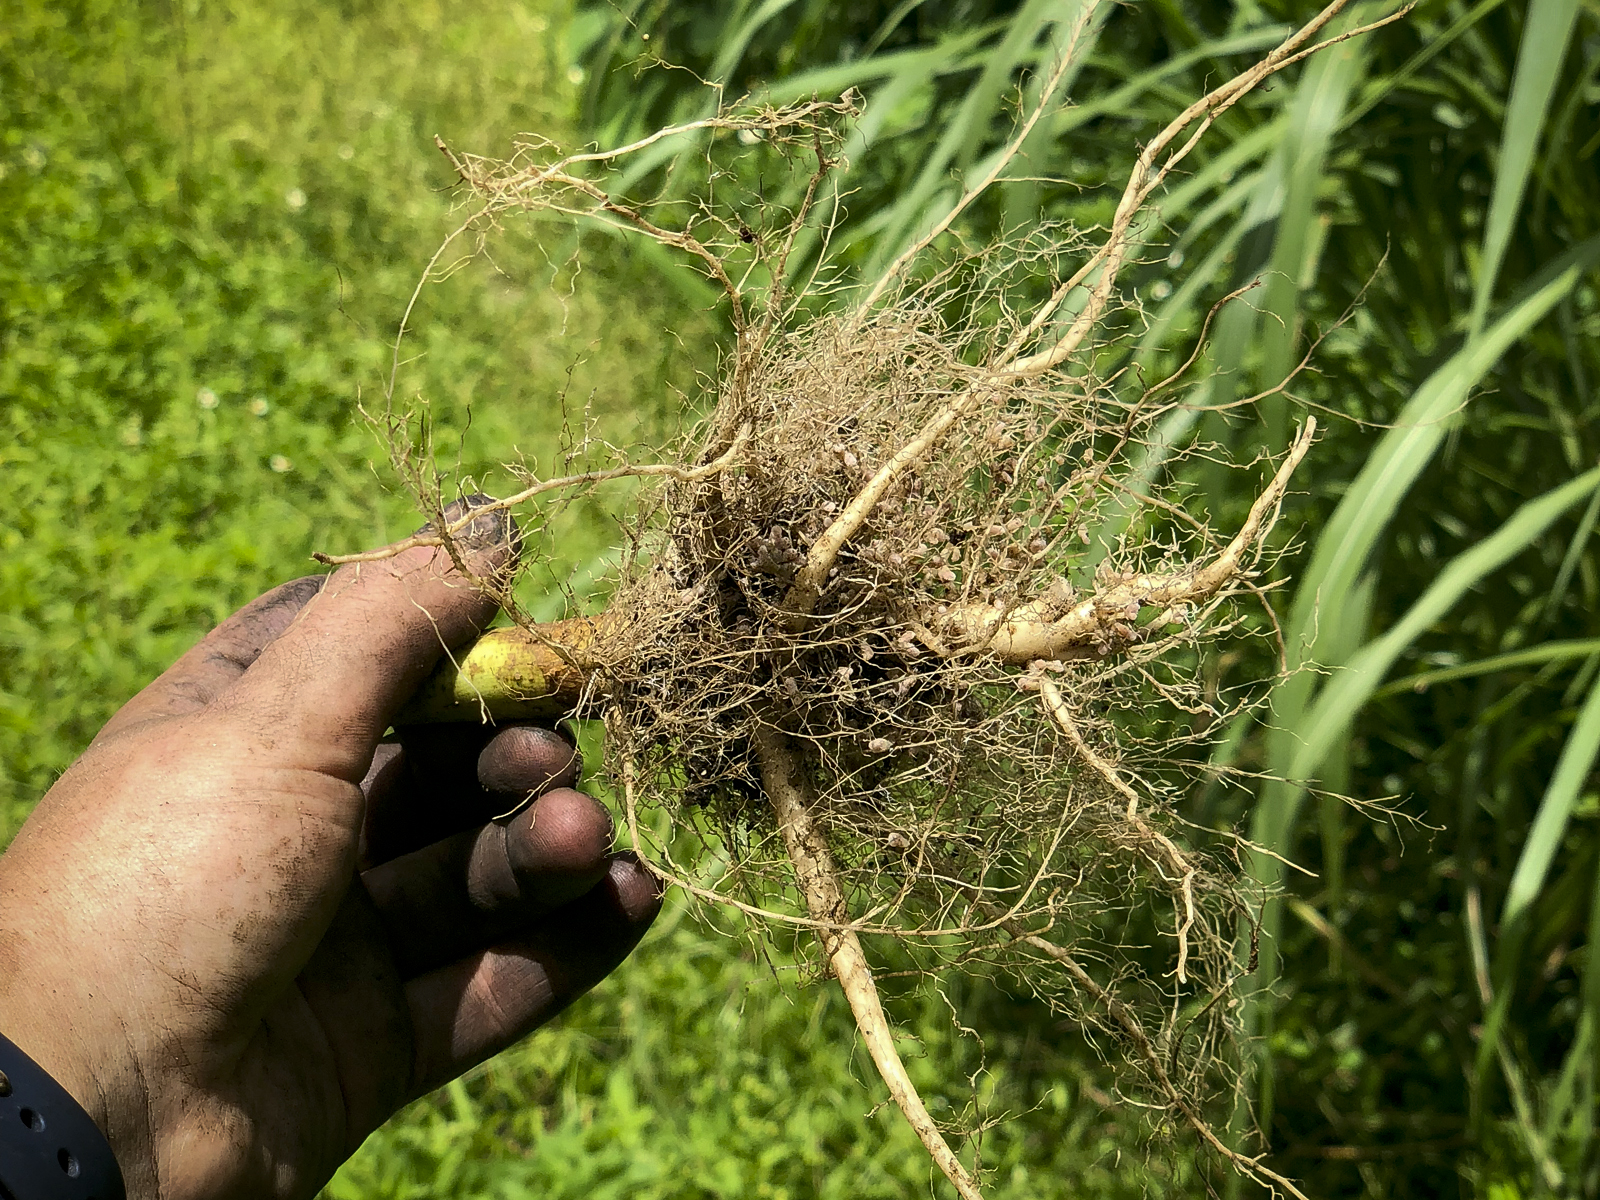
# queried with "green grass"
point(210, 228)
point(703, 1070)
point(237, 200)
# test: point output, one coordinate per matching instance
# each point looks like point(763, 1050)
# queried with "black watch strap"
point(50, 1149)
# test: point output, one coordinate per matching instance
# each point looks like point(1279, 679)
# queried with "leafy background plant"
point(213, 215)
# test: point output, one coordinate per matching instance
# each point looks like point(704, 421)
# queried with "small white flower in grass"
point(749, 137)
point(1175, 259)
point(1160, 290)
point(574, 75)
point(206, 399)
point(347, 152)
point(280, 464)
point(258, 406)
point(295, 199)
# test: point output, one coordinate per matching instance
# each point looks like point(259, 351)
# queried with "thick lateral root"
point(791, 797)
point(1061, 625)
point(547, 670)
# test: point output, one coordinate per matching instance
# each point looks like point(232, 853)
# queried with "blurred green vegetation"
point(210, 221)
point(703, 1069)
point(211, 217)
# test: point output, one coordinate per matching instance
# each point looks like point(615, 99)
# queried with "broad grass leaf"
point(1327, 721)
point(1531, 656)
point(1546, 33)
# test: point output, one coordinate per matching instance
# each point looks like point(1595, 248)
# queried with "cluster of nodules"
point(949, 797)
point(884, 709)
point(889, 712)
point(852, 680)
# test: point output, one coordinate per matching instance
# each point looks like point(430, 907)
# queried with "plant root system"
point(884, 643)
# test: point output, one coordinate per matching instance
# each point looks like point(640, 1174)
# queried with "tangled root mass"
point(912, 574)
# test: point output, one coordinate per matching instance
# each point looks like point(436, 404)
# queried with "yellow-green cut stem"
point(512, 674)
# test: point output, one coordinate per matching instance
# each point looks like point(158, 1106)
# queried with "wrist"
point(41, 1027)
point(51, 1148)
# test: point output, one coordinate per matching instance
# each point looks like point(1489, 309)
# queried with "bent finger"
point(470, 891)
point(463, 1013)
point(439, 780)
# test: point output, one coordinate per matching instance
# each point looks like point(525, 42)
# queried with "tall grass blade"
point(1591, 1020)
point(733, 49)
point(1545, 35)
point(969, 125)
point(1549, 827)
point(1353, 530)
point(890, 23)
point(1281, 212)
point(1353, 622)
point(913, 73)
point(1380, 88)
point(1555, 810)
point(1572, 1095)
point(1569, 561)
point(1342, 551)
point(1532, 656)
point(1407, 447)
point(705, 105)
point(1177, 428)
point(1328, 720)
point(957, 52)
point(1124, 97)
point(1218, 171)
point(1314, 118)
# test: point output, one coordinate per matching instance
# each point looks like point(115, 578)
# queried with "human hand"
point(242, 933)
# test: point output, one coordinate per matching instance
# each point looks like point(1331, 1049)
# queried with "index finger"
point(329, 684)
point(224, 654)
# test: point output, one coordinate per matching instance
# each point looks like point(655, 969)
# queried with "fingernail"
point(489, 531)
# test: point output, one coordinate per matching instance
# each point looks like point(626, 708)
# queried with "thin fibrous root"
point(537, 488)
point(1056, 704)
point(1131, 1027)
point(792, 799)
